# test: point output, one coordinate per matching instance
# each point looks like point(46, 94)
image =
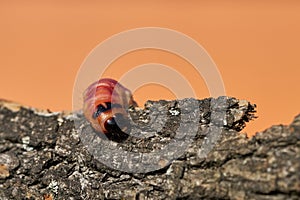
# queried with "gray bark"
point(43, 155)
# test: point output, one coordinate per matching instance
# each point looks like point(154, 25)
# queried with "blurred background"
point(255, 45)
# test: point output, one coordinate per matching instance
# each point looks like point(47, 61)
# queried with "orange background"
point(255, 45)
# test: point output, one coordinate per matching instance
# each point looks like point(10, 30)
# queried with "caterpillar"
point(105, 104)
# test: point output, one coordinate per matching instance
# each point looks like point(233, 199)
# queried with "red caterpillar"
point(104, 106)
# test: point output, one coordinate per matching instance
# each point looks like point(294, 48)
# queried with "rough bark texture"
point(42, 155)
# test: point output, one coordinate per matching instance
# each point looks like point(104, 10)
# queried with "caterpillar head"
point(112, 118)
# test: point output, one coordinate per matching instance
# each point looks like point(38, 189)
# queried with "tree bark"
point(44, 155)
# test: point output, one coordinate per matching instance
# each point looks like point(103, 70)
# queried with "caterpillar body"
point(105, 104)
